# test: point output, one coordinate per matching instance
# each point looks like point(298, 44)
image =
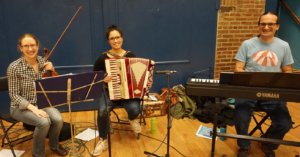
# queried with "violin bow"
point(51, 52)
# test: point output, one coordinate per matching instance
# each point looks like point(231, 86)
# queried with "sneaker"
point(100, 147)
point(268, 152)
point(136, 126)
point(243, 152)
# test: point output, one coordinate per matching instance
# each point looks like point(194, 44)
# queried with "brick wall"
point(237, 21)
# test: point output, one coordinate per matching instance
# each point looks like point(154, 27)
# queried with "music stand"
point(68, 89)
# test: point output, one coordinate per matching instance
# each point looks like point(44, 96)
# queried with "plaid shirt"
point(21, 79)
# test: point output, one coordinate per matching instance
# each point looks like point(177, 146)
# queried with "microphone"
point(105, 74)
point(165, 72)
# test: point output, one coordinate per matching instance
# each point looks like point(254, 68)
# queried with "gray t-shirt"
point(264, 57)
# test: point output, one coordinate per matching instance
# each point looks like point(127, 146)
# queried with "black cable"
point(151, 138)
point(169, 112)
point(80, 142)
point(86, 147)
point(295, 127)
point(13, 130)
point(262, 115)
point(164, 143)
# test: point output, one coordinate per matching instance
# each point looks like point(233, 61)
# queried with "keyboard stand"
point(259, 139)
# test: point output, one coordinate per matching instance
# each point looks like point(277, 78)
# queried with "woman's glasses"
point(26, 47)
point(114, 38)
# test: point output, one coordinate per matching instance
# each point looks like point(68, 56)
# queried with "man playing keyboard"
point(264, 53)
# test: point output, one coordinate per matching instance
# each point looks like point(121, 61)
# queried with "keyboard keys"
point(197, 80)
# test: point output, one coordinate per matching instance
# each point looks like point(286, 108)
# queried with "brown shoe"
point(61, 151)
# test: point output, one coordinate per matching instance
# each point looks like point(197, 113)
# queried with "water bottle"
point(153, 125)
point(223, 130)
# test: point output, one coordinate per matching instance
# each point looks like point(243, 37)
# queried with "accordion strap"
point(117, 56)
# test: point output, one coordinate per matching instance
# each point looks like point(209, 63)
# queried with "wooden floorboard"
point(182, 138)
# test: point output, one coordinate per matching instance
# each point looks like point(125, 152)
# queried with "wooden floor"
point(182, 138)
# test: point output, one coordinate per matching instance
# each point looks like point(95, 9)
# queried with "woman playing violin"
point(21, 76)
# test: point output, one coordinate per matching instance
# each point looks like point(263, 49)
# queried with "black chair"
point(120, 121)
point(258, 124)
point(7, 117)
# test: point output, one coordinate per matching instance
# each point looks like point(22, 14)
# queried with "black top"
point(100, 62)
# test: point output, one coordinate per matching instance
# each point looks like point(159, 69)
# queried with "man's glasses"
point(26, 47)
point(270, 25)
point(114, 38)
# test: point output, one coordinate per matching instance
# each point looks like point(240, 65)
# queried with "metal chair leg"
point(111, 129)
point(141, 116)
point(7, 138)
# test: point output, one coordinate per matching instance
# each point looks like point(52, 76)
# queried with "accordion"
point(130, 77)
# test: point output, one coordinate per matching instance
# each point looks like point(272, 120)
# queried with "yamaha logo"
point(267, 95)
point(258, 95)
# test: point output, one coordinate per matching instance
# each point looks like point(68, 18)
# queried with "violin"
point(48, 54)
point(49, 73)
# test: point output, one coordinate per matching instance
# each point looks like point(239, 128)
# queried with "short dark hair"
point(269, 12)
point(272, 13)
point(113, 27)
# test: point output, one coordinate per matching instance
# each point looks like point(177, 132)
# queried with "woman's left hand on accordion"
point(107, 79)
point(149, 85)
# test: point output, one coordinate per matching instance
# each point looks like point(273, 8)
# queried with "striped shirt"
point(21, 79)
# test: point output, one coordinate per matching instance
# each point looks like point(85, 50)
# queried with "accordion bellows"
point(130, 77)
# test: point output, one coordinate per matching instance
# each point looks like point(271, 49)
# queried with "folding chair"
point(8, 118)
point(258, 124)
point(120, 121)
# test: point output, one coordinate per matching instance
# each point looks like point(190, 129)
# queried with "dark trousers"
point(279, 114)
point(132, 106)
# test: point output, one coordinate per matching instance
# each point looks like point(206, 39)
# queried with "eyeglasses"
point(114, 38)
point(26, 47)
point(270, 25)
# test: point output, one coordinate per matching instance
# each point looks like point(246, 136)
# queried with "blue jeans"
point(132, 106)
point(279, 114)
point(52, 124)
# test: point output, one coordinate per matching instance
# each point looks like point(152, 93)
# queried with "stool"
point(258, 124)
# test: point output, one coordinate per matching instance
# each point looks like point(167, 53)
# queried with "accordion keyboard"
point(129, 77)
point(114, 84)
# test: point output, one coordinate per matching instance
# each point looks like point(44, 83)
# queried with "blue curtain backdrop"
point(177, 34)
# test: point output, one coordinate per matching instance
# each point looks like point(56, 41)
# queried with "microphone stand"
point(169, 116)
point(108, 121)
point(169, 110)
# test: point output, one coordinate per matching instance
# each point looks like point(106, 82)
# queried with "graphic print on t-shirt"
point(265, 58)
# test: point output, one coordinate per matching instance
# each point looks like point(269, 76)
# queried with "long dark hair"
point(113, 27)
